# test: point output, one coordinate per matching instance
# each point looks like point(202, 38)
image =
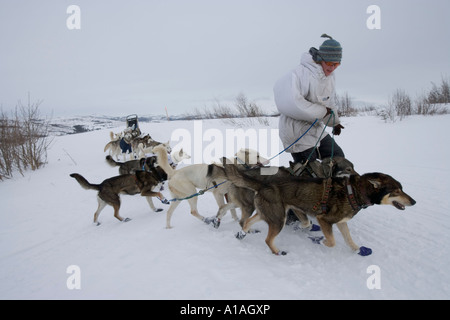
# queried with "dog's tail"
point(84, 183)
point(112, 162)
point(216, 172)
point(240, 179)
point(163, 160)
point(108, 145)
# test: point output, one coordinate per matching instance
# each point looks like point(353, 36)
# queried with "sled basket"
point(132, 121)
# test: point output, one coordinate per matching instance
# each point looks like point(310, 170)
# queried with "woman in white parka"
point(308, 93)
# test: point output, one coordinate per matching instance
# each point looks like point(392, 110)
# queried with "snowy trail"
point(47, 226)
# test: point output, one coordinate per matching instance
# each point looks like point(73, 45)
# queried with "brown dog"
point(243, 198)
point(109, 190)
point(131, 166)
point(331, 201)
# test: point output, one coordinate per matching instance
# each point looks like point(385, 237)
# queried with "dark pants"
point(324, 151)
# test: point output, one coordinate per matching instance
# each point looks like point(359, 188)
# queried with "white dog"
point(184, 183)
point(114, 145)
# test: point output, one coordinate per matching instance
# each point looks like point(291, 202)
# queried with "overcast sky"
point(140, 56)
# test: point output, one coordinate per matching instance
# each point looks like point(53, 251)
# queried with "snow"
point(47, 227)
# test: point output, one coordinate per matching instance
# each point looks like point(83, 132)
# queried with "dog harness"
point(322, 204)
point(351, 198)
point(326, 193)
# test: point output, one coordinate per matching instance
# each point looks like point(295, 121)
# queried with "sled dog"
point(174, 158)
point(331, 201)
point(243, 198)
point(147, 148)
point(114, 145)
point(131, 166)
point(144, 164)
point(110, 189)
point(178, 156)
point(184, 183)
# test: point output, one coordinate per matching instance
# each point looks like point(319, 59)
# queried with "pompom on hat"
point(329, 51)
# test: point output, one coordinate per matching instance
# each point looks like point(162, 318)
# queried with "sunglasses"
point(329, 63)
point(332, 64)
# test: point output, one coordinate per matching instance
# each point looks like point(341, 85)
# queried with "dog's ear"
point(376, 183)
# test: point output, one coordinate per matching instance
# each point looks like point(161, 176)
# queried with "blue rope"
point(201, 192)
point(315, 121)
point(320, 137)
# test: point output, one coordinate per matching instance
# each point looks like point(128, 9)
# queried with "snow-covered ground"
point(46, 226)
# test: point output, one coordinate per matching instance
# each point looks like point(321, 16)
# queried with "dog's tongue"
point(398, 205)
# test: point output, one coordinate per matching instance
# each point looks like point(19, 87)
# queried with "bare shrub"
point(24, 139)
point(345, 106)
point(242, 109)
point(217, 111)
point(402, 103)
point(439, 94)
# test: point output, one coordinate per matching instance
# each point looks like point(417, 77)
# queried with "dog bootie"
point(164, 200)
point(241, 235)
point(312, 227)
point(216, 223)
point(209, 220)
point(363, 251)
point(316, 240)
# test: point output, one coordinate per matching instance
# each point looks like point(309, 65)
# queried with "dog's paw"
point(316, 240)
point(158, 210)
point(240, 235)
point(164, 200)
point(363, 251)
point(126, 220)
point(97, 224)
point(281, 253)
point(216, 223)
point(209, 220)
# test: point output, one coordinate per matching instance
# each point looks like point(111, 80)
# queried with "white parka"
point(301, 97)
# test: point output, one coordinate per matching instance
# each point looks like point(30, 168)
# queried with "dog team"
point(330, 190)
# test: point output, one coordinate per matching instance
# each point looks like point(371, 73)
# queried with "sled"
point(133, 123)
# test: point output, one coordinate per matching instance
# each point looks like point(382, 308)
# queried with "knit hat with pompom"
point(329, 51)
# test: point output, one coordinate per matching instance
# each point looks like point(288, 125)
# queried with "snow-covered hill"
point(46, 226)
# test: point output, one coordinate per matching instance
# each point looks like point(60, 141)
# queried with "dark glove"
point(337, 129)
